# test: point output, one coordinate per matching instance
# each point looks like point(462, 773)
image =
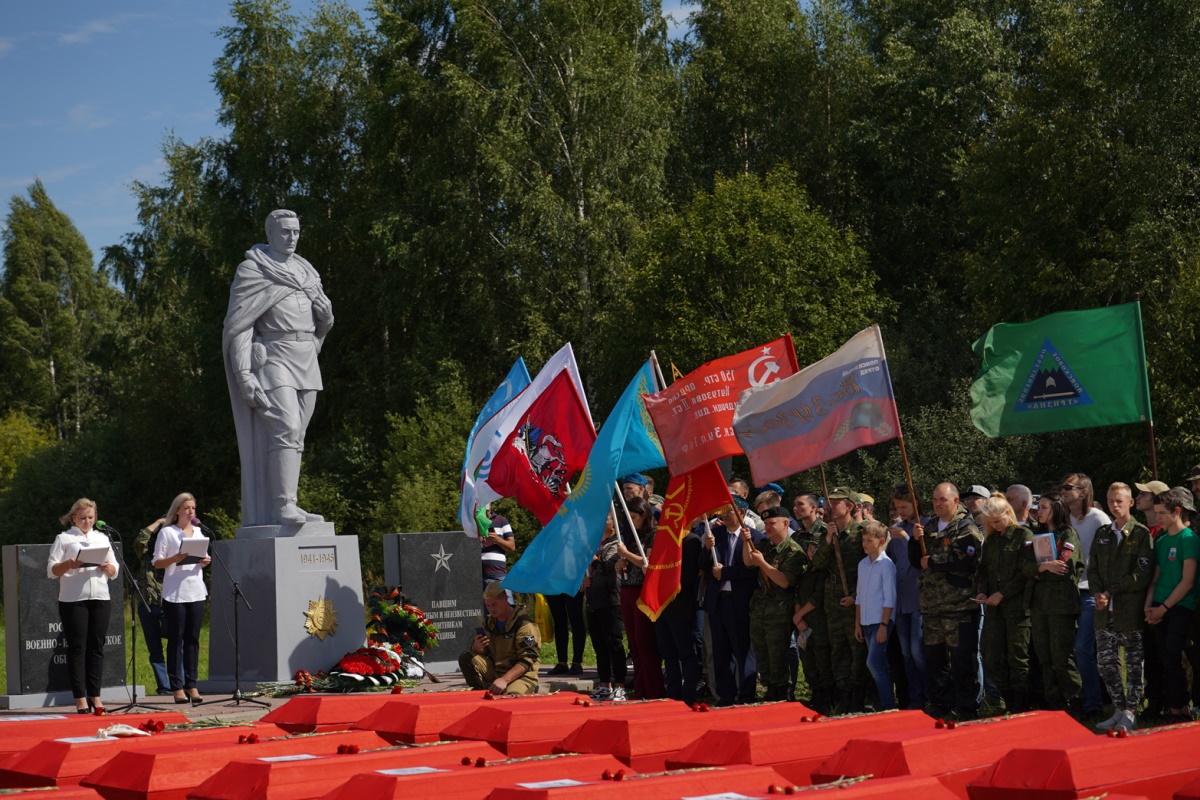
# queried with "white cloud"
point(86, 32)
point(88, 116)
point(6, 46)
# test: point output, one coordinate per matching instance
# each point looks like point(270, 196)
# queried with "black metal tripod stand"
point(134, 597)
point(238, 697)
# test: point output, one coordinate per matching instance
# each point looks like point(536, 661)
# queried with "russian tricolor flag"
point(841, 403)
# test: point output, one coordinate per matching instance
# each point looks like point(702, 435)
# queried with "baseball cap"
point(866, 498)
point(1195, 473)
point(1153, 487)
point(977, 490)
point(1182, 496)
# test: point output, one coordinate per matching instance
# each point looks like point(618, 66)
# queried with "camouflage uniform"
point(1054, 608)
point(519, 642)
point(815, 655)
point(1006, 627)
point(771, 614)
point(1124, 570)
point(950, 614)
point(848, 656)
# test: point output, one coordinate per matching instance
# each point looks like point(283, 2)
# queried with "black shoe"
point(559, 669)
point(196, 699)
point(575, 669)
point(83, 711)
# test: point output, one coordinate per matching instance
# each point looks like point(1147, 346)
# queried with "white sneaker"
point(618, 694)
point(602, 693)
point(1112, 721)
point(1127, 722)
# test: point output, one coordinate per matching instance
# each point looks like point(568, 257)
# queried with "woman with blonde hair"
point(183, 594)
point(83, 601)
point(1001, 586)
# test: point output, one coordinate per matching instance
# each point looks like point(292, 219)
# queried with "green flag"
point(1073, 369)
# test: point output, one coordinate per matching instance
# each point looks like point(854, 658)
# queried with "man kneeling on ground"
point(504, 656)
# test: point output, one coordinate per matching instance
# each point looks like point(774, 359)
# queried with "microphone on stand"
point(211, 533)
point(101, 525)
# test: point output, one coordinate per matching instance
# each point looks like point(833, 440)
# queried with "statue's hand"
point(323, 309)
point(252, 391)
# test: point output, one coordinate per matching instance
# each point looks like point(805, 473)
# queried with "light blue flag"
point(556, 560)
point(518, 379)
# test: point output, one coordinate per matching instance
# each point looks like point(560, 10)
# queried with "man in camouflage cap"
point(504, 657)
point(840, 561)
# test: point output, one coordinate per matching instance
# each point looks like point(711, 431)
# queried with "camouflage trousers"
point(1054, 643)
point(816, 656)
point(1109, 643)
point(1005, 649)
point(847, 654)
point(771, 637)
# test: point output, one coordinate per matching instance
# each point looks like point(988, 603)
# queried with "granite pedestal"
point(306, 605)
point(35, 649)
point(442, 574)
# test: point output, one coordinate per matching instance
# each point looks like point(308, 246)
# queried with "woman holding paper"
point(83, 603)
point(183, 593)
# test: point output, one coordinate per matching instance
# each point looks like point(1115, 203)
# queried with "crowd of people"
point(996, 602)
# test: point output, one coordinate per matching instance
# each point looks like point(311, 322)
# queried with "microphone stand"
point(133, 705)
point(237, 697)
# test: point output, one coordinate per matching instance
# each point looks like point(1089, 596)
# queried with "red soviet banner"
point(694, 415)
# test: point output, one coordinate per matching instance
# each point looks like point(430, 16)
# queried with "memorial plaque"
point(441, 573)
point(36, 651)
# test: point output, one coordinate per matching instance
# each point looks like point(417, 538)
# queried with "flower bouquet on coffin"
point(403, 627)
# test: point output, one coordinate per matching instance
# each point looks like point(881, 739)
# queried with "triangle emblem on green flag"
point(1051, 383)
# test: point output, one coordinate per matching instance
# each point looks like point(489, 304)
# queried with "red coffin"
point(473, 783)
point(956, 755)
point(793, 750)
point(421, 718)
point(645, 743)
point(302, 776)
point(20, 733)
point(168, 772)
point(311, 713)
point(740, 781)
point(1155, 762)
point(64, 761)
point(522, 730)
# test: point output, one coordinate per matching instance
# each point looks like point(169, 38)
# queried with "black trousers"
point(183, 642)
point(85, 624)
point(608, 640)
point(1171, 637)
point(567, 611)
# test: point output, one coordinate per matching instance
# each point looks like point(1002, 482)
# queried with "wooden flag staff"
point(837, 548)
point(911, 494)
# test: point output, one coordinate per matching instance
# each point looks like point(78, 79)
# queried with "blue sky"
point(89, 90)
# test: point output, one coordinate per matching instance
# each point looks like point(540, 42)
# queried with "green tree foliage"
point(20, 439)
point(55, 313)
point(482, 179)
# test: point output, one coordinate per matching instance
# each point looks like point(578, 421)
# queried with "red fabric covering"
point(18, 734)
point(794, 750)
point(955, 755)
point(752, 782)
point(168, 772)
point(1155, 762)
point(421, 718)
point(472, 783)
point(55, 762)
point(256, 779)
point(310, 713)
point(522, 730)
point(645, 743)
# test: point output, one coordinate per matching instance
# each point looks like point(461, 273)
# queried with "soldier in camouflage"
point(780, 562)
point(948, 608)
point(840, 562)
point(809, 613)
point(504, 658)
point(1119, 571)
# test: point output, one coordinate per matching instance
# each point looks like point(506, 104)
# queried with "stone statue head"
point(283, 232)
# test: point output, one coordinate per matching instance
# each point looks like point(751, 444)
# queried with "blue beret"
point(637, 478)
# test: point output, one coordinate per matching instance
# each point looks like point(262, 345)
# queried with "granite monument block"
point(35, 649)
point(441, 573)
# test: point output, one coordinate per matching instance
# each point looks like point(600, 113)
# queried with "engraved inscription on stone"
point(317, 559)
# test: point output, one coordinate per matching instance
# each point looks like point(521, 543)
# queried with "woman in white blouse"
point(83, 602)
point(183, 594)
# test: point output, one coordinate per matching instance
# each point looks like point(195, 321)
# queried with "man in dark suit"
point(729, 585)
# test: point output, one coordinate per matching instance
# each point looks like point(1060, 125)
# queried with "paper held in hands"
point(93, 556)
point(195, 548)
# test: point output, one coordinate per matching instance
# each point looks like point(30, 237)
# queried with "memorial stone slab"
point(35, 648)
point(306, 608)
point(442, 574)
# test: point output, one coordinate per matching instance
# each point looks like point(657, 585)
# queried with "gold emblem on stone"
point(320, 619)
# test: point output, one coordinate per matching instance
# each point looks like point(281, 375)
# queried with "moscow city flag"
point(1064, 371)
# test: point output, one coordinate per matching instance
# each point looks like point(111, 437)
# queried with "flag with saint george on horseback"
point(557, 558)
point(841, 403)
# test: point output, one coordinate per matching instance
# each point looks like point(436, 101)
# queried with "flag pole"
point(662, 382)
point(1137, 298)
point(708, 530)
point(1153, 453)
point(629, 519)
point(911, 494)
point(837, 549)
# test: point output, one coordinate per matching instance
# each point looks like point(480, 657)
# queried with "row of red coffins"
point(1035, 755)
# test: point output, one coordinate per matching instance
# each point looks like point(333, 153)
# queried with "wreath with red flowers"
point(394, 621)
